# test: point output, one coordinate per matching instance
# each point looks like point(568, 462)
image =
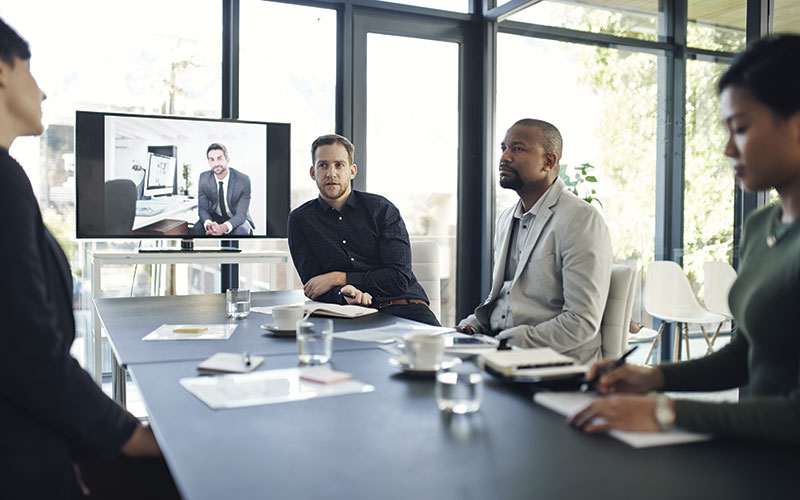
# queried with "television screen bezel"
point(90, 159)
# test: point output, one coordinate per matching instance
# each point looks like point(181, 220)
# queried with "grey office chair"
point(120, 206)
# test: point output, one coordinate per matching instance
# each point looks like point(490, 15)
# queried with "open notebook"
point(337, 310)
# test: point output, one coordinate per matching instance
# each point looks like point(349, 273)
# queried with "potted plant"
point(577, 184)
point(187, 181)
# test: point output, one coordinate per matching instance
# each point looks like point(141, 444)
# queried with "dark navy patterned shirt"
point(367, 240)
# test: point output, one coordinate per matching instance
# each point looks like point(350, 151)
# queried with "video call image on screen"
point(160, 179)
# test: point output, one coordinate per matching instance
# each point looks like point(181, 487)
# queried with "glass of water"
point(459, 389)
point(237, 303)
point(314, 340)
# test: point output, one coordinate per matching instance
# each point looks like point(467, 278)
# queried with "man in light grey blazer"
point(552, 254)
point(232, 216)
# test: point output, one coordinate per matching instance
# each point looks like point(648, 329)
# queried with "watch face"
point(665, 417)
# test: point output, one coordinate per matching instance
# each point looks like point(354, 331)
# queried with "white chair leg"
point(648, 359)
point(686, 335)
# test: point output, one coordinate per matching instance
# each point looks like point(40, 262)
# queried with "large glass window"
point(633, 19)
point(709, 181)
point(787, 16)
point(717, 25)
point(287, 73)
point(137, 57)
point(587, 92)
point(412, 141)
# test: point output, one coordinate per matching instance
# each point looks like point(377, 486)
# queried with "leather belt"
point(400, 302)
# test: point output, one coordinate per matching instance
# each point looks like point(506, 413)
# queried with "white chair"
point(617, 315)
point(425, 265)
point(719, 278)
point(668, 296)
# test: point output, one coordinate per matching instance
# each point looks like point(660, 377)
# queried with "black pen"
point(589, 384)
point(246, 359)
point(349, 296)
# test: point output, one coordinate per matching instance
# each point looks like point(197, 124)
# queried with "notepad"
point(228, 362)
point(570, 403)
point(324, 375)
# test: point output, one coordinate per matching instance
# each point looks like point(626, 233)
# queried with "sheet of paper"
point(265, 387)
point(389, 334)
point(570, 403)
point(206, 332)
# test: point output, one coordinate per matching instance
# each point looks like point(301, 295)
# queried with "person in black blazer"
point(233, 217)
point(52, 413)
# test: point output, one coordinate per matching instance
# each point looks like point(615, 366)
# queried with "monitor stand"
point(187, 245)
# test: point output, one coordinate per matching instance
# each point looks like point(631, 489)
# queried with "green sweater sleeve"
point(724, 369)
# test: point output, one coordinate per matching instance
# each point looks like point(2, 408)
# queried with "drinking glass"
point(314, 340)
point(237, 303)
point(459, 389)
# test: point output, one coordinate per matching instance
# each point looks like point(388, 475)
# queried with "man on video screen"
point(223, 197)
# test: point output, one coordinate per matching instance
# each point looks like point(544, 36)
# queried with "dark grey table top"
point(394, 443)
point(127, 320)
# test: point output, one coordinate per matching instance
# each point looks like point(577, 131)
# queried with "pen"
point(348, 295)
point(246, 358)
point(503, 345)
point(589, 384)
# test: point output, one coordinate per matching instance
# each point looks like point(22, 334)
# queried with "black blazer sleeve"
point(40, 382)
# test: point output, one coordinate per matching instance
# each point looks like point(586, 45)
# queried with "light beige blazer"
point(559, 290)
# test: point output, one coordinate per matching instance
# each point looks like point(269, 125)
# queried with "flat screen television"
point(140, 176)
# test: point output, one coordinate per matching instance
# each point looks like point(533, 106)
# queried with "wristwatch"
point(664, 414)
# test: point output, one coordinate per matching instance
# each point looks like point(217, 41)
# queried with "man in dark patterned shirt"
point(352, 247)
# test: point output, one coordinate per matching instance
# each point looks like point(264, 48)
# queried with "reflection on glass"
point(708, 192)
point(717, 25)
point(412, 141)
point(589, 100)
point(787, 16)
point(630, 19)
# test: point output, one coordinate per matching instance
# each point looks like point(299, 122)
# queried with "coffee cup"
point(286, 317)
point(423, 351)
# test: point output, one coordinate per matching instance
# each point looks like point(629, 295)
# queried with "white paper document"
point(191, 332)
point(265, 387)
point(570, 403)
point(389, 334)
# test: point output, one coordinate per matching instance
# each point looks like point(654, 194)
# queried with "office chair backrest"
point(120, 206)
point(719, 278)
point(617, 315)
point(425, 265)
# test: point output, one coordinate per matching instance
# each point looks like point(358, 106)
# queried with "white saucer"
point(401, 362)
point(277, 332)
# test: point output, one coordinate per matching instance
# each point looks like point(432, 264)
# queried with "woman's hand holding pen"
point(635, 379)
point(617, 411)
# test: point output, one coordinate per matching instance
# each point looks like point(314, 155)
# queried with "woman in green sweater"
point(760, 107)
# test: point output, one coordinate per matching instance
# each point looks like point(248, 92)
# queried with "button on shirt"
point(501, 317)
point(367, 240)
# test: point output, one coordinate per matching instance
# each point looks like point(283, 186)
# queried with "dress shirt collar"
point(352, 201)
point(536, 206)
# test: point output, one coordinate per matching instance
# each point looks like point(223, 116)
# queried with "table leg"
point(118, 383)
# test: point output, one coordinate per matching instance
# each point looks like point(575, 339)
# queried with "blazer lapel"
point(539, 223)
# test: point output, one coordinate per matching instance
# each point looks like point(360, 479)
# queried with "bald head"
point(549, 136)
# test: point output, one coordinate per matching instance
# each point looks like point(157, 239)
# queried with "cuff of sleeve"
point(206, 223)
point(355, 278)
point(229, 226)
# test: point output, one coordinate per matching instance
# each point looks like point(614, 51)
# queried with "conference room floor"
point(697, 347)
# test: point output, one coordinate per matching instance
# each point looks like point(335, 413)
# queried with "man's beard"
point(510, 182)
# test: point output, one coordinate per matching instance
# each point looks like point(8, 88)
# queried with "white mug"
point(423, 351)
point(286, 317)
